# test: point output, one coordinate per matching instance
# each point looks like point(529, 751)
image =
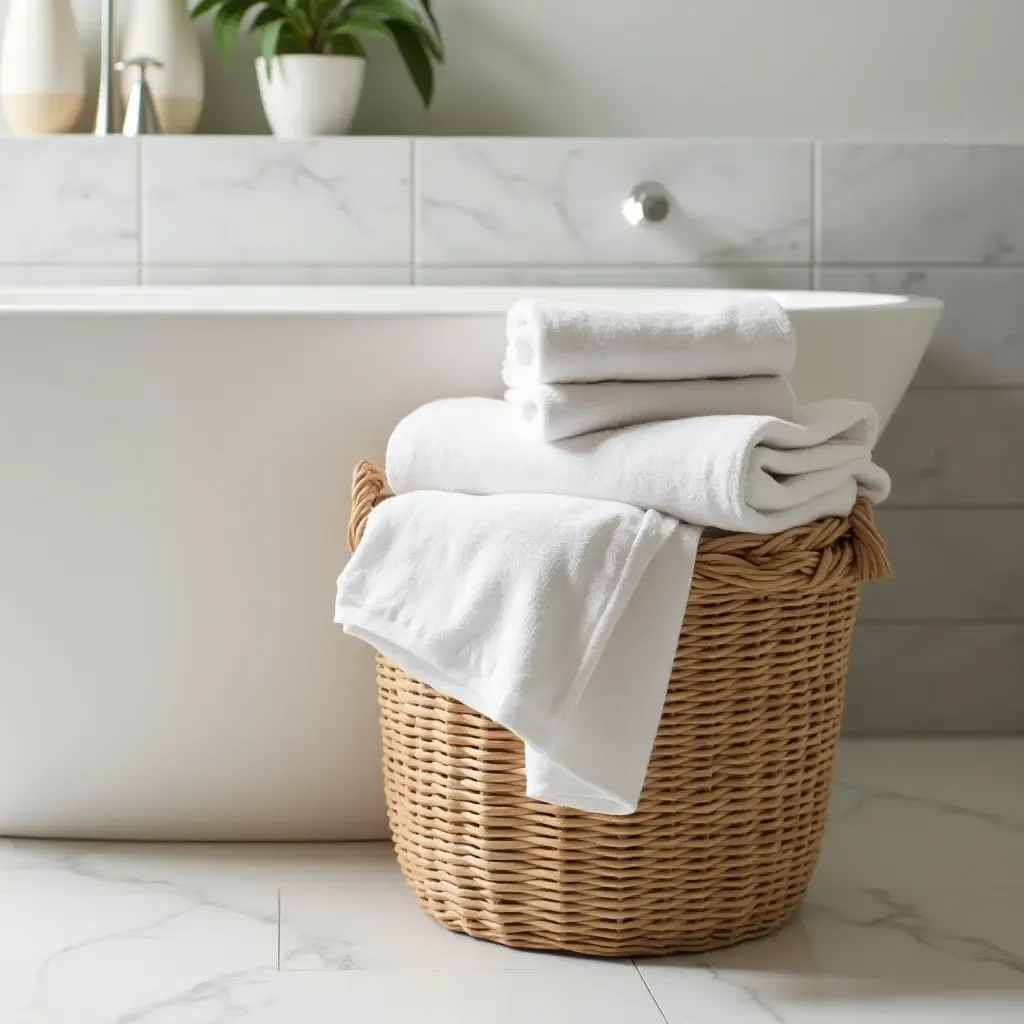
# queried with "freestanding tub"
point(175, 482)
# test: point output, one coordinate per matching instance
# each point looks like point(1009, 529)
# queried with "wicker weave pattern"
point(729, 825)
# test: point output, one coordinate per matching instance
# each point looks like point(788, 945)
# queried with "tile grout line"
point(464, 266)
point(949, 507)
point(933, 388)
point(598, 264)
point(913, 264)
point(898, 622)
point(657, 1005)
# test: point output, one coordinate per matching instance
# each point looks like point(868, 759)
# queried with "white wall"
point(906, 69)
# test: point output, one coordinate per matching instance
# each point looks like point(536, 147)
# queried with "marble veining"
point(916, 914)
point(923, 954)
point(543, 202)
point(879, 909)
point(925, 203)
point(925, 813)
point(979, 342)
point(71, 201)
point(85, 940)
point(952, 448)
point(240, 202)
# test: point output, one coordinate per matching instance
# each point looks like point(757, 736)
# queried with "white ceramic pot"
point(310, 94)
point(42, 68)
point(163, 30)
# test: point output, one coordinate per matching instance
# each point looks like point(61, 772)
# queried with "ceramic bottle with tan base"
point(163, 31)
point(42, 68)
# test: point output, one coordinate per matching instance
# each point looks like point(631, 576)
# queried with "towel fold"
point(556, 617)
point(753, 474)
point(552, 412)
point(564, 343)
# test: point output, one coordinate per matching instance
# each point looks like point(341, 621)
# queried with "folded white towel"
point(563, 343)
point(750, 474)
point(552, 412)
point(555, 617)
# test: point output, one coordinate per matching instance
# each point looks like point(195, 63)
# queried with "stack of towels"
point(572, 370)
point(536, 560)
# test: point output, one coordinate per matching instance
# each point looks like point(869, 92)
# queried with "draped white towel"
point(750, 474)
point(553, 412)
point(534, 610)
point(565, 343)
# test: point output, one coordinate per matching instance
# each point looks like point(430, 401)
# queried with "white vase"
point(42, 68)
point(162, 29)
point(310, 94)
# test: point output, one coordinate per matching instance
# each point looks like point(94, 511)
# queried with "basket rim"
point(835, 551)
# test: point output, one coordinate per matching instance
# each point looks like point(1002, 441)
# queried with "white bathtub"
point(175, 494)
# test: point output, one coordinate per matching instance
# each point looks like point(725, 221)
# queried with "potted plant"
point(312, 60)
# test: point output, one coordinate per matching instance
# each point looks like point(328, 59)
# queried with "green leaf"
point(428, 8)
point(270, 35)
point(416, 57)
point(332, 26)
point(203, 6)
point(345, 44)
point(266, 17)
point(361, 24)
point(398, 10)
point(291, 42)
point(226, 23)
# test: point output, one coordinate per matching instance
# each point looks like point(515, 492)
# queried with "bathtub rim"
point(410, 300)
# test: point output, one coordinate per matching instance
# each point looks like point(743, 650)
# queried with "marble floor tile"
point(916, 915)
point(86, 944)
point(915, 954)
point(926, 811)
point(367, 919)
point(598, 996)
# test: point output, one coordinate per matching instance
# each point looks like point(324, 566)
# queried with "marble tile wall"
point(236, 210)
point(69, 211)
point(542, 202)
point(941, 649)
point(256, 210)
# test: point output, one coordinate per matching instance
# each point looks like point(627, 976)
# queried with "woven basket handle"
point(868, 547)
point(369, 489)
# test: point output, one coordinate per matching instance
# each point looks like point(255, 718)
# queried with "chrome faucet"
point(108, 107)
point(648, 203)
point(140, 116)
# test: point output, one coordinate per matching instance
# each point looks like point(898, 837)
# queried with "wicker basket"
point(729, 825)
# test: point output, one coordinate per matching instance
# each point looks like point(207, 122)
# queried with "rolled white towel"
point(754, 474)
point(552, 412)
point(565, 343)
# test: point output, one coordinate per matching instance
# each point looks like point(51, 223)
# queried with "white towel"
point(750, 474)
point(563, 343)
point(555, 617)
point(552, 412)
